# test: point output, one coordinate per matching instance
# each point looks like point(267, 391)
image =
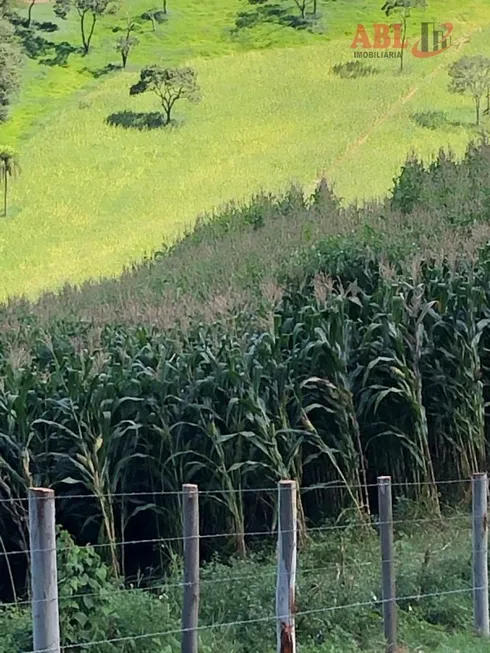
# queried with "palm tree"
point(9, 166)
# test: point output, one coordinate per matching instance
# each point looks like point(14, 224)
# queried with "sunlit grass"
point(93, 198)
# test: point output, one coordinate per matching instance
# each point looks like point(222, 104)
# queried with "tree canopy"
point(471, 76)
point(10, 66)
point(169, 84)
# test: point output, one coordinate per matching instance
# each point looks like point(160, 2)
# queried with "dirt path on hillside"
point(395, 107)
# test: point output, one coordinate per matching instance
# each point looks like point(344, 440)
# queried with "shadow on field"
point(438, 120)
point(46, 26)
point(134, 120)
point(61, 53)
point(47, 52)
point(105, 70)
point(273, 13)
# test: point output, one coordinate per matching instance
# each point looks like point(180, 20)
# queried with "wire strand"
point(245, 622)
point(206, 536)
point(272, 572)
point(334, 485)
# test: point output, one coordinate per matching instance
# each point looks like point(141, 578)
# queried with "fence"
point(44, 577)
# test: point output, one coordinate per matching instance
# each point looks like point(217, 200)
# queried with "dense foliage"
point(10, 65)
point(374, 360)
point(336, 569)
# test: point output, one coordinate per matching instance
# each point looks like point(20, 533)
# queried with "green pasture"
point(93, 198)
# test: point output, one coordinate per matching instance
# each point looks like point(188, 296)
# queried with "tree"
point(169, 84)
point(127, 42)
point(9, 167)
point(403, 8)
point(89, 12)
point(471, 76)
point(150, 15)
point(155, 16)
point(301, 4)
point(10, 65)
point(29, 12)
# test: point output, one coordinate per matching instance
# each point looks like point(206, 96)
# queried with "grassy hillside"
point(93, 198)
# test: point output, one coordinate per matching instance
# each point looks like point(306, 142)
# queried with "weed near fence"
point(344, 586)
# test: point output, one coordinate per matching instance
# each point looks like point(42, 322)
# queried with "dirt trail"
point(396, 106)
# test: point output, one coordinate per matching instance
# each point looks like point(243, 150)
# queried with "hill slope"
point(93, 198)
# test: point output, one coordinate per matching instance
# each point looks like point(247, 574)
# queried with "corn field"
point(363, 369)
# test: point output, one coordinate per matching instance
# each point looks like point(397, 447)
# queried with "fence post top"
point(190, 488)
point(384, 480)
point(41, 492)
point(479, 475)
point(287, 484)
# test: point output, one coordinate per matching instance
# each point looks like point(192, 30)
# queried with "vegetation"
point(9, 167)
point(127, 42)
point(10, 61)
point(89, 11)
point(340, 568)
point(354, 69)
point(290, 335)
point(169, 85)
point(471, 76)
point(331, 360)
point(403, 9)
point(29, 12)
point(431, 119)
point(260, 135)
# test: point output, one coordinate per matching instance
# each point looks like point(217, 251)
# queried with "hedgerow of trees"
point(10, 66)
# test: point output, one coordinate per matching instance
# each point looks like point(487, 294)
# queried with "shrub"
point(354, 69)
point(15, 627)
point(84, 594)
point(430, 119)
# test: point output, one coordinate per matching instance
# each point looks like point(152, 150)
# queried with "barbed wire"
point(268, 533)
point(272, 572)
point(270, 618)
point(181, 584)
point(334, 485)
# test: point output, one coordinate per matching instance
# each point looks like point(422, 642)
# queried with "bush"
point(430, 119)
point(15, 629)
point(84, 594)
point(354, 69)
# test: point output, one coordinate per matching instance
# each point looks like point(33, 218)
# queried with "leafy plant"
point(84, 595)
